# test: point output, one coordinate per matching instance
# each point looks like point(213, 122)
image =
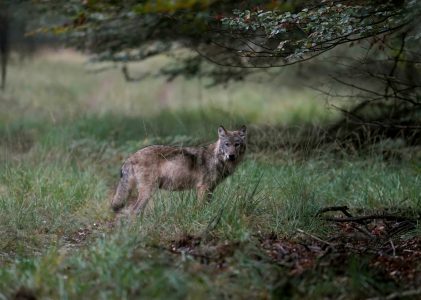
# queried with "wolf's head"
point(232, 144)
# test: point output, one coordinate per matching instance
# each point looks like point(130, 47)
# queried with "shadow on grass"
point(195, 123)
point(194, 127)
point(200, 126)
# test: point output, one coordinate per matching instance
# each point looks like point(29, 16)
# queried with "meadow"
point(65, 130)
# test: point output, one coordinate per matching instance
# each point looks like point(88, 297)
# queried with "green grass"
point(63, 136)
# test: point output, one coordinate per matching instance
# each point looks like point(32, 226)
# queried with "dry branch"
point(361, 219)
point(343, 209)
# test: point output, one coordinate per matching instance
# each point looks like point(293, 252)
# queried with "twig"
point(367, 218)
point(343, 209)
point(393, 247)
point(395, 64)
point(362, 230)
point(355, 86)
point(399, 295)
point(314, 237)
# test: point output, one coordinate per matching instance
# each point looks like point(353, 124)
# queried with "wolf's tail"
point(124, 187)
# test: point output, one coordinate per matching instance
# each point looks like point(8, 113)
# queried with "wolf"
point(180, 168)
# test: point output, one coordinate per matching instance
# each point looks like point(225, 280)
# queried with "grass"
point(63, 136)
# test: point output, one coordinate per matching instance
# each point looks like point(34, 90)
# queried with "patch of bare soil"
point(212, 254)
point(81, 236)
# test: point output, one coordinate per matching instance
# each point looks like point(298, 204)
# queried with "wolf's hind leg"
point(124, 187)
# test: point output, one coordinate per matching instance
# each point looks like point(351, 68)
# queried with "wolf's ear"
point(243, 131)
point(221, 131)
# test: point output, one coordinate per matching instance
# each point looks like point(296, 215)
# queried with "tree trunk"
point(4, 42)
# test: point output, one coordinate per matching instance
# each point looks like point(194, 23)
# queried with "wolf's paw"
point(117, 208)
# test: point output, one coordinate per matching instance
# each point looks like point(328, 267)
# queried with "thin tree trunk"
point(4, 42)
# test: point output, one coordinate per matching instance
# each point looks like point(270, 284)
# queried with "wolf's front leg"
point(123, 190)
point(204, 193)
point(144, 194)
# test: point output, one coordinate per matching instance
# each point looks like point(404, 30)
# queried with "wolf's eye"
point(236, 144)
point(227, 144)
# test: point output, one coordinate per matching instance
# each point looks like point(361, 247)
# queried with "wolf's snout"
point(231, 157)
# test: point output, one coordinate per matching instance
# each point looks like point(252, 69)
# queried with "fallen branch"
point(368, 218)
point(314, 237)
point(359, 219)
point(343, 209)
point(362, 230)
point(403, 224)
point(399, 295)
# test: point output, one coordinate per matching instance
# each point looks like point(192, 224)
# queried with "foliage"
point(295, 36)
point(258, 32)
point(382, 79)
